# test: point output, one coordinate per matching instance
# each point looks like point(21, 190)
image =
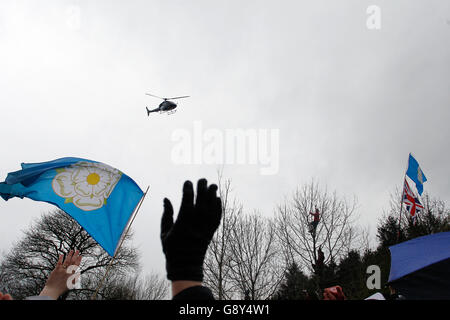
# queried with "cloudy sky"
point(349, 102)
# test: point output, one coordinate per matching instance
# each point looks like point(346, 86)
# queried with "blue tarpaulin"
point(420, 268)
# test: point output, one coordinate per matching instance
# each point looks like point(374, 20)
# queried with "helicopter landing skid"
point(171, 112)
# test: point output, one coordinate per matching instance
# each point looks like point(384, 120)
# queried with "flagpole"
point(136, 210)
point(401, 203)
point(401, 207)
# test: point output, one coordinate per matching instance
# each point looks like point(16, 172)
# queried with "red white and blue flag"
point(410, 200)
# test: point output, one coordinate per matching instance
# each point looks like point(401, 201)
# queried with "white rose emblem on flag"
point(86, 184)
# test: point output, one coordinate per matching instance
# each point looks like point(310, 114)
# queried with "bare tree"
point(136, 287)
point(365, 239)
point(217, 261)
point(153, 287)
point(335, 233)
point(229, 273)
point(256, 271)
point(26, 267)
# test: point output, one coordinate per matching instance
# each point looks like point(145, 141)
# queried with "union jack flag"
point(412, 203)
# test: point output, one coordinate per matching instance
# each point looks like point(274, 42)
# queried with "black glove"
point(185, 242)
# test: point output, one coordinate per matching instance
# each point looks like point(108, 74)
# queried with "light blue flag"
point(99, 197)
point(416, 174)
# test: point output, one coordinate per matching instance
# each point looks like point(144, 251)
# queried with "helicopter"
point(166, 106)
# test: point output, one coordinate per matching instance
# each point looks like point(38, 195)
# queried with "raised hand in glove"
point(185, 242)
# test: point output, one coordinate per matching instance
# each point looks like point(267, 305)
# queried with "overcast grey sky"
point(349, 103)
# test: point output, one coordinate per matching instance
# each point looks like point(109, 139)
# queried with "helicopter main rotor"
point(165, 99)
